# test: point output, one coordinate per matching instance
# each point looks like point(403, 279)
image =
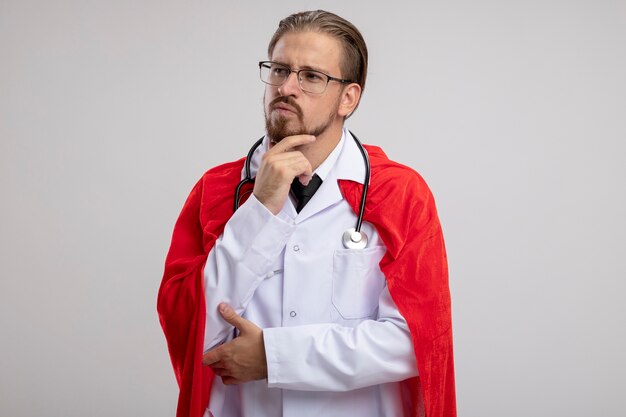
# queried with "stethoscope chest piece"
point(353, 239)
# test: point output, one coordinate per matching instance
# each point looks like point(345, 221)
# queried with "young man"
point(267, 311)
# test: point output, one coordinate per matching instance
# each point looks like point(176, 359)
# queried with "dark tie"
point(303, 194)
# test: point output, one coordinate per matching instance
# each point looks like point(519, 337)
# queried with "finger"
point(283, 156)
point(220, 372)
point(295, 162)
point(212, 356)
point(229, 380)
point(218, 365)
point(232, 318)
point(288, 164)
point(301, 169)
point(305, 178)
point(291, 142)
point(292, 158)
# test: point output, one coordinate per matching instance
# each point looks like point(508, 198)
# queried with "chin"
point(279, 129)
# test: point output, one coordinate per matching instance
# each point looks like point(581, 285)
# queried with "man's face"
point(291, 111)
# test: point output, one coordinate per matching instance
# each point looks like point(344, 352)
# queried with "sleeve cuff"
point(272, 357)
point(267, 234)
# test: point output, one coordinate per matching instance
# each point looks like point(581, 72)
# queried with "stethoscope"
point(352, 238)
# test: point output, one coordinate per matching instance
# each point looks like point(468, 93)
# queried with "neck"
point(318, 151)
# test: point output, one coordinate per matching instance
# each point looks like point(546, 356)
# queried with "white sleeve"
point(241, 258)
point(331, 357)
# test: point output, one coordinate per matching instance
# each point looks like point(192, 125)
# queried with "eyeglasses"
point(311, 81)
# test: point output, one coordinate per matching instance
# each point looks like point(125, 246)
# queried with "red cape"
point(399, 205)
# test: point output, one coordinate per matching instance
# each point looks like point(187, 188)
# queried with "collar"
point(350, 164)
point(327, 165)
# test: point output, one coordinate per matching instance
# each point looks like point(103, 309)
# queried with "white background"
point(513, 111)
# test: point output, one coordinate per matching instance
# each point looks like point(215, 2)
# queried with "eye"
point(312, 77)
point(280, 72)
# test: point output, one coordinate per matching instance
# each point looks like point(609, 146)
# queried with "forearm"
point(240, 260)
point(331, 357)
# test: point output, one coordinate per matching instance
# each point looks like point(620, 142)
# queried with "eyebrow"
point(305, 67)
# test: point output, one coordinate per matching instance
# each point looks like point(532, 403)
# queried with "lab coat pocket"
point(357, 281)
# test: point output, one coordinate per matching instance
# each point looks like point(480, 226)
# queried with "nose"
point(291, 86)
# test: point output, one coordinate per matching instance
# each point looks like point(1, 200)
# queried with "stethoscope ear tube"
point(249, 157)
point(248, 178)
point(238, 191)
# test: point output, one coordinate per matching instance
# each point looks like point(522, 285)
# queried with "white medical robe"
point(335, 342)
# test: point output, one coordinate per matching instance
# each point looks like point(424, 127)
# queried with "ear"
point(350, 97)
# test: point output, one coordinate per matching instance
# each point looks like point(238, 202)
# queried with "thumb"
point(232, 318)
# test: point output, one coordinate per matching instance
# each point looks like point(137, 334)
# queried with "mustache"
point(287, 100)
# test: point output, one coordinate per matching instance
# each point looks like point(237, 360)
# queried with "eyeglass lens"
point(310, 81)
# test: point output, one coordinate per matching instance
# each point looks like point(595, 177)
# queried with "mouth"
point(283, 108)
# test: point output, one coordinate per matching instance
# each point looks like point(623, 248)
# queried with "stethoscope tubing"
point(248, 178)
point(366, 182)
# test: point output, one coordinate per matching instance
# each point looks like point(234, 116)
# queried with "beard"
point(277, 126)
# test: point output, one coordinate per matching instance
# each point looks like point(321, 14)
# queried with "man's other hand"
point(279, 166)
point(243, 358)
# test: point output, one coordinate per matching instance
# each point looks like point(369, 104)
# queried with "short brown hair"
point(354, 61)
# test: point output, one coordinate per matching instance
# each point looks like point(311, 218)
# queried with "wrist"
point(271, 204)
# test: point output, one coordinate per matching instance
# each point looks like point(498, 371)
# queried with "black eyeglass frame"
point(328, 77)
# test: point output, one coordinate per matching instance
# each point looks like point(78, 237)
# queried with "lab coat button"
point(292, 314)
point(296, 248)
